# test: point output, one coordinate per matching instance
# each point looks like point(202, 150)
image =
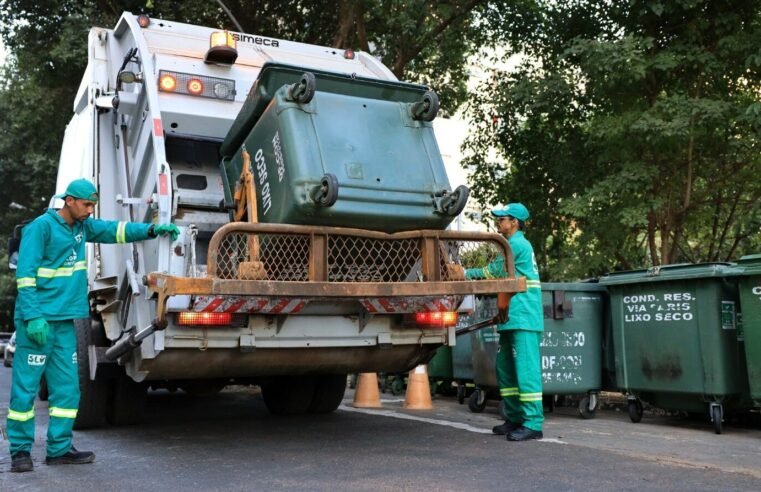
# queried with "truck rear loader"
point(313, 205)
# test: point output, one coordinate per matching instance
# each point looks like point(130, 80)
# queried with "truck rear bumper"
point(173, 364)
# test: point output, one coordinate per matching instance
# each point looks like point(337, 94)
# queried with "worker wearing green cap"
point(519, 372)
point(51, 278)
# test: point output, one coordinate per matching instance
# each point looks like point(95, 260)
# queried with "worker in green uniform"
point(51, 278)
point(518, 364)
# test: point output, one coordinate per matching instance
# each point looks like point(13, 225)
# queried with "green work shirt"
point(526, 311)
point(51, 275)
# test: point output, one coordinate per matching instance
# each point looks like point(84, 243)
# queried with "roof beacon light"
point(143, 21)
point(222, 48)
point(349, 54)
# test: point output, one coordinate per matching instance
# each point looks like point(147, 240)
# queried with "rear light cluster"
point(436, 319)
point(189, 318)
point(197, 85)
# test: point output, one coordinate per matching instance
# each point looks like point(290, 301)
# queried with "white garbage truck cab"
point(292, 307)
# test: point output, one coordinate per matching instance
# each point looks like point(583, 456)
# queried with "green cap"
point(80, 188)
point(517, 210)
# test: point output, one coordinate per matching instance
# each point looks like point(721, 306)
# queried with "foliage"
point(630, 130)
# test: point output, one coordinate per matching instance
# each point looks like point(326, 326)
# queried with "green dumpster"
point(676, 341)
point(336, 150)
point(571, 347)
point(440, 371)
point(749, 284)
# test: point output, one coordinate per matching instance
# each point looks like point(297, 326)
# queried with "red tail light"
point(188, 318)
point(440, 319)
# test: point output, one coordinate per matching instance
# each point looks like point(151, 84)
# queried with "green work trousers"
point(519, 375)
point(57, 361)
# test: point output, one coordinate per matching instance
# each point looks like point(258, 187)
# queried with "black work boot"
point(21, 462)
point(524, 434)
point(72, 457)
point(505, 428)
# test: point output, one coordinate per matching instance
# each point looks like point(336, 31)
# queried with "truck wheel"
point(127, 405)
point(93, 395)
point(288, 395)
point(328, 393)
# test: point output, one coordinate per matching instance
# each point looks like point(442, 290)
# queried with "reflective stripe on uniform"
point(508, 392)
point(26, 282)
point(487, 274)
point(121, 233)
point(530, 397)
point(61, 272)
point(67, 413)
point(533, 284)
point(20, 416)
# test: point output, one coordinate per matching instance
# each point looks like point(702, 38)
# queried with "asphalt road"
point(230, 442)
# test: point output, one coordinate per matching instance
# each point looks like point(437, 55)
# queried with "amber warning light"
point(223, 49)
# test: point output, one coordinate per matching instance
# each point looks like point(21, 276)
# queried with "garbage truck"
point(313, 205)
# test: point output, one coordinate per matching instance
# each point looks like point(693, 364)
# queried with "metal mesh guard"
point(286, 256)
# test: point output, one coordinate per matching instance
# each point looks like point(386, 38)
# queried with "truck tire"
point(328, 393)
point(288, 395)
point(93, 395)
point(127, 403)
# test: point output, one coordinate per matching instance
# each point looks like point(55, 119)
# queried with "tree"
point(631, 130)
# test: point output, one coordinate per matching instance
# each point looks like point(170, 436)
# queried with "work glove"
point(37, 330)
point(166, 229)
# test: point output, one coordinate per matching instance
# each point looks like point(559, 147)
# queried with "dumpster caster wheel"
point(326, 194)
point(588, 406)
point(716, 418)
point(635, 410)
point(477, 401)
point(427, 108)
point(460, 394)
point(455, 202)
point(303, 91)
point(397, 386)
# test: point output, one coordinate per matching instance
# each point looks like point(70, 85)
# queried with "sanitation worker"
point(518, 364)
point(51, 277)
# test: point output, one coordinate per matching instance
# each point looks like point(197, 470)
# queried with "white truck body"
point(153, 158)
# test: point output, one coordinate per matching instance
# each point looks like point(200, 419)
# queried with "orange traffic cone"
point(367, 394)
point(418, 395)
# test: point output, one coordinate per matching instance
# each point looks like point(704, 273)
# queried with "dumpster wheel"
point(326, 194)
point(717, 417)
point(635, 410)
point(477, 401)
point(460, 394)
point(303, 91)
point(588, 406)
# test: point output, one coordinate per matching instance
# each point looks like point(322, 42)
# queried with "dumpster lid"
point(749, 265)
point(273, 76)
point(681, 271)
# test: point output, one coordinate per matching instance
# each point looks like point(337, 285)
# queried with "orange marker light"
point(195, 87)
point(167, 83)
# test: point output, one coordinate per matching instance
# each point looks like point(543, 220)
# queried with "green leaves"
point(631, 132)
